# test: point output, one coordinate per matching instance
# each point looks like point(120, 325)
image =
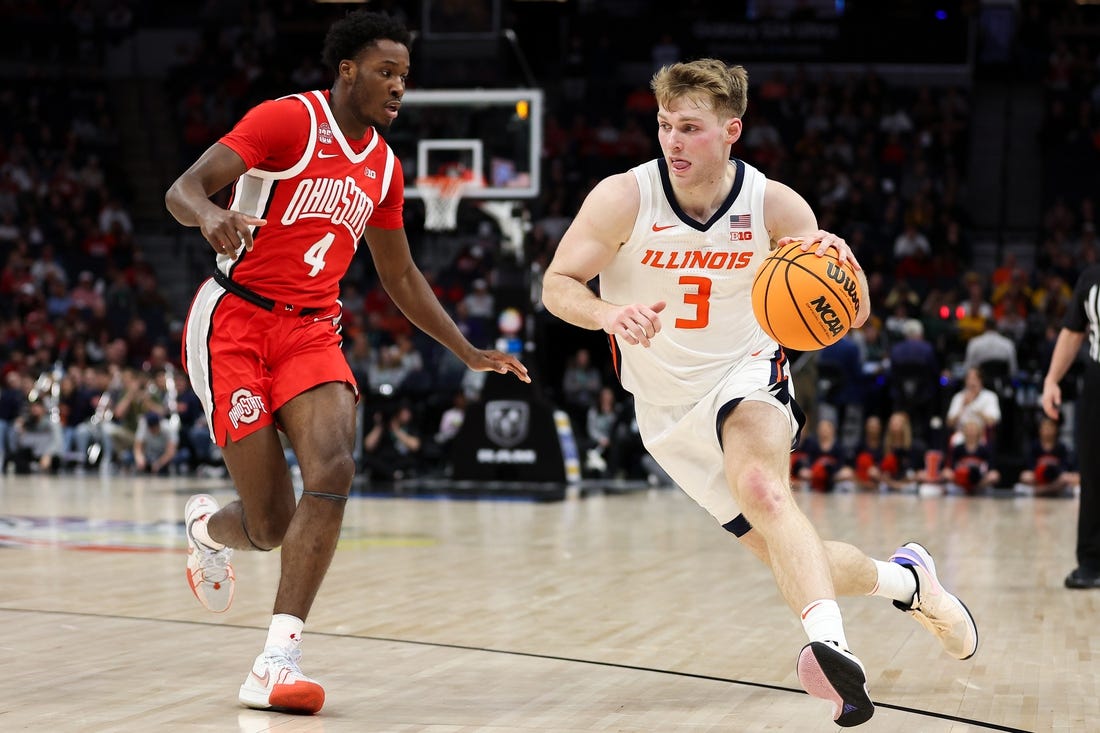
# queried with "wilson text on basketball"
point(849, 284)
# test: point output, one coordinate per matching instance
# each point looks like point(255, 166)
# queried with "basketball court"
point(617, 612)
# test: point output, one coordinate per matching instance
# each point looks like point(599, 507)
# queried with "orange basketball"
point(803, 301)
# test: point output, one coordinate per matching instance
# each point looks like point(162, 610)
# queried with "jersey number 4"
point(315, 255)
point(698, 297)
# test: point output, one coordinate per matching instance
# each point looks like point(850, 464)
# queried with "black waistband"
point(258, 300)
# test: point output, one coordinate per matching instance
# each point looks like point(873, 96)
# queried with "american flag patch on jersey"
point(740, 221)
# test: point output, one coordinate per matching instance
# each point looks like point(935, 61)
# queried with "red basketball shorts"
point(245, 362)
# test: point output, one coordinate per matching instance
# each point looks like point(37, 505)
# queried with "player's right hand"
point(1051, 400)
point(635, 324)
point(227, 231)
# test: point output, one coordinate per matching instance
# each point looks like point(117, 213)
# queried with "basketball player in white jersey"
point(675, 243)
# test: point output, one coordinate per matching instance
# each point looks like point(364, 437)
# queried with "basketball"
point(803, 301)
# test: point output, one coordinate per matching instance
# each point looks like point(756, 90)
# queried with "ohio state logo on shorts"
point(246, 407)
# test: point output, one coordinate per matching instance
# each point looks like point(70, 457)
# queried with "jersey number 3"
point(700, 298)
point(315, 255)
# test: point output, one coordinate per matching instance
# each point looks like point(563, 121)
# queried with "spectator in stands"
point(968, 469)
point(112, 215)
point(13, 395)
point(47, 268)
point(902, 454)
point(411, 358)
point(106, 388)
point(601, 422)
point(580, 384)
point(151, 305)
point(194, 446)
point(130, 400)
point(914, 375)
point(36, 440)
point(85, 296)
point(391, 446)
point(868, 455)
point(841, 363)
point(1052, 297)
point(555, 221)
point(156, 444)
point(1011, 316)
point(664, 51)
point(973, 402)
point(826, 466)
point(989, 346)
point(874, 346)
point(480, 302)
point(388, 375)
point(77, 408)
point(975, 311)
point(902, 302)
point(911, 242)
point(360, 356)
point(1052, 471)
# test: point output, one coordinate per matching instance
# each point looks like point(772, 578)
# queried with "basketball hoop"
point(441, 195)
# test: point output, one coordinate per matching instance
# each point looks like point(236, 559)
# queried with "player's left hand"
point(824, 240)
point(490, 360)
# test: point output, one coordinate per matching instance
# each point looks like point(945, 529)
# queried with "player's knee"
point(332, 474)
point(761, 493)
point(266, 532)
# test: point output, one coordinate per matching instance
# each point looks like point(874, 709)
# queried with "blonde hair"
point(722, 87)
point(891, 441)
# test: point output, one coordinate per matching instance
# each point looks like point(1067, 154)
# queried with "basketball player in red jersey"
point(676, 242)
point(311, 178)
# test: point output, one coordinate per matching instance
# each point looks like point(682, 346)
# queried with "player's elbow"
point(552, 286)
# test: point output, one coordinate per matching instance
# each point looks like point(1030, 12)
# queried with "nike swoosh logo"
point(262, 680)
point(323, 154)
point(660, 228)
point(756, 353)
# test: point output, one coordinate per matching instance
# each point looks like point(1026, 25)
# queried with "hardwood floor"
point(631, 612)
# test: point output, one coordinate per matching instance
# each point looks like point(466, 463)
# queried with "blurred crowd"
point(89, 347)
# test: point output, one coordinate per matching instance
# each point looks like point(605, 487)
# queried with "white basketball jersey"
point(704, 272)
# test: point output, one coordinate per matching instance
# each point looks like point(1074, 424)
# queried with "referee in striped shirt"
point(1083, 316)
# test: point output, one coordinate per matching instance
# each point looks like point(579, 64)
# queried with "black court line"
point(533, 655)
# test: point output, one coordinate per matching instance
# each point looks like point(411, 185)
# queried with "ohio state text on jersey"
point(316, 189)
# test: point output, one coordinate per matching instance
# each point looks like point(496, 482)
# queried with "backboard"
point(495, 133)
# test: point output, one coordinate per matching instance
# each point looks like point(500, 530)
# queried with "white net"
point(441, 195)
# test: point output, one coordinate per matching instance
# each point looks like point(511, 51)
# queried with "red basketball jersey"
point(316, 189)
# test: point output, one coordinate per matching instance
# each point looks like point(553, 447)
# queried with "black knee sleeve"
point(325, 495)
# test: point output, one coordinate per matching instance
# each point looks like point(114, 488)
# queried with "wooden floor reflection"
point(630, 612)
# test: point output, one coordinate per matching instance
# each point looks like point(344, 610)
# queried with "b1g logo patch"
point(246, 408)
point(506, 421)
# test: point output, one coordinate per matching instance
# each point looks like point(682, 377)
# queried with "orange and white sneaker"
point(208, 570)
point(276, 682)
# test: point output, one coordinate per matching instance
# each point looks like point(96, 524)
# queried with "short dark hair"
point(350, 35)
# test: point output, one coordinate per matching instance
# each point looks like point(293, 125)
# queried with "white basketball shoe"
point(276, 682)
point(208, 570)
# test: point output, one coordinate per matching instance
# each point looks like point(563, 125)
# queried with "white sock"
point(822, 622)
point(285, 631)
point(894, 581)
point(200, 533)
